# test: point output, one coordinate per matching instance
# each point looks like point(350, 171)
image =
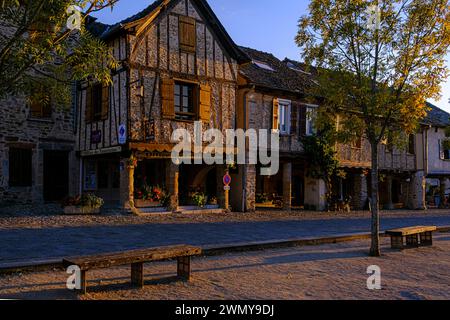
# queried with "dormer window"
point(262, 65)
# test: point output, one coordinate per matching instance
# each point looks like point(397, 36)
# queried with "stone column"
point(359, 192)
point(127, 183)
point(172, 176)
point(389, 205)
point(250, 188)
point(417, 191)
point(287, 186)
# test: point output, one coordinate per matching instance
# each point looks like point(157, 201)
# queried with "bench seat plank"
point(403, 232)
point(131, 257)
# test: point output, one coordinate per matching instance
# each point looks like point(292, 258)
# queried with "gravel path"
point(320, 272)
point(39, 238)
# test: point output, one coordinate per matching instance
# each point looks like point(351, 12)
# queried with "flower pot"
point(139, 203)
point(73, 210)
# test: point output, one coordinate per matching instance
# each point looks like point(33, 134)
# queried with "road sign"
point(227, 180)
point(227, 188)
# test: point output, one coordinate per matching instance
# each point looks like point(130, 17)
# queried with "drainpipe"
point(244, 178)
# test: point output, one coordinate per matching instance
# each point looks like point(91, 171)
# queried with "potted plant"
point(148, 196)
point(199, 199)
point(213, 201)
point(87, 203)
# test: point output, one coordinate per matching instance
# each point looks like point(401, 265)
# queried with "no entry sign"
point(227, 180)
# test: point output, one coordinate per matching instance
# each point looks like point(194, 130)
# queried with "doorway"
point(56, 175)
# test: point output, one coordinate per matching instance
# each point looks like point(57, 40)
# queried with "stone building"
point(177, 66)
point(272, 96)
point(37, 157)
point(436, 156)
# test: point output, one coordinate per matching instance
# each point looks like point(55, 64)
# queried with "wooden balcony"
point(352, 157)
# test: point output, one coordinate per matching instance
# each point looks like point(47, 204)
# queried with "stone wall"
point(19, 129)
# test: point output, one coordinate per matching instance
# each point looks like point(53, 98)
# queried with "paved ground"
point(335, 272)
point(47, 240)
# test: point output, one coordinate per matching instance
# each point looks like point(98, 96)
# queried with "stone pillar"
point(287, 186)
point(250, 188)
point(315, 194)
point(127, 183)
point(359, 192)
point(389, 205)
point(220, 171)
point(417, 191)
point(172, 176)
point(442, 186)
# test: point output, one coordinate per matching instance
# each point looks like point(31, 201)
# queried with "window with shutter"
point(97, 103)
point(284, 116)
point(187, 34)
point(40, 103)
point(186, 101)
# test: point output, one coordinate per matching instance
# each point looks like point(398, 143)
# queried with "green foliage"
point(37, 50)
point(200, 199)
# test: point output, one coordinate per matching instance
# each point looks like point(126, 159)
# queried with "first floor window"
point(311, 113)
point(284, 117)
point(20, 167)
point(185, 101)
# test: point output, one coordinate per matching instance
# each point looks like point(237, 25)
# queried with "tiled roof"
point(437, 117)
point(105, 31)
point(267, 71)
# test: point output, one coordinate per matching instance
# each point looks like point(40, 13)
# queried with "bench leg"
point(426, 239)
point(83, 282)
point(412, 241)
point(184, 268)
point(137, 274)
point(396, 242)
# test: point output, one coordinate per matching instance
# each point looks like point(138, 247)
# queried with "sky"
point(260, 24)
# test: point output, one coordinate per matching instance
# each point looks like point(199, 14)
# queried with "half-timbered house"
point(177, 65)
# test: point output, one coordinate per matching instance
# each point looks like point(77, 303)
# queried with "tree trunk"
point(375, 210)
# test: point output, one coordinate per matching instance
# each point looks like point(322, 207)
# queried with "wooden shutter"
point(441, 150)
point(205, 103)
point(302, 120)
point(167, 98)
point(89, 106)
point(105, 102)
point(187, 34)
point(275, 115)
point(294, 118)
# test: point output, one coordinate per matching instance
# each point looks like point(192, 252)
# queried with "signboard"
point(101, 151)
point(96, 137)
point(227, 188)
point(122, 134)
point(227, 180)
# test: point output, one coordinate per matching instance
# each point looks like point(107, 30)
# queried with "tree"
point(377, 61)
point(38, 49)
point(319, 149)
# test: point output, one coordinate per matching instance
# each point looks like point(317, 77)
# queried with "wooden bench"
point(136, 258)
point(411, 237)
